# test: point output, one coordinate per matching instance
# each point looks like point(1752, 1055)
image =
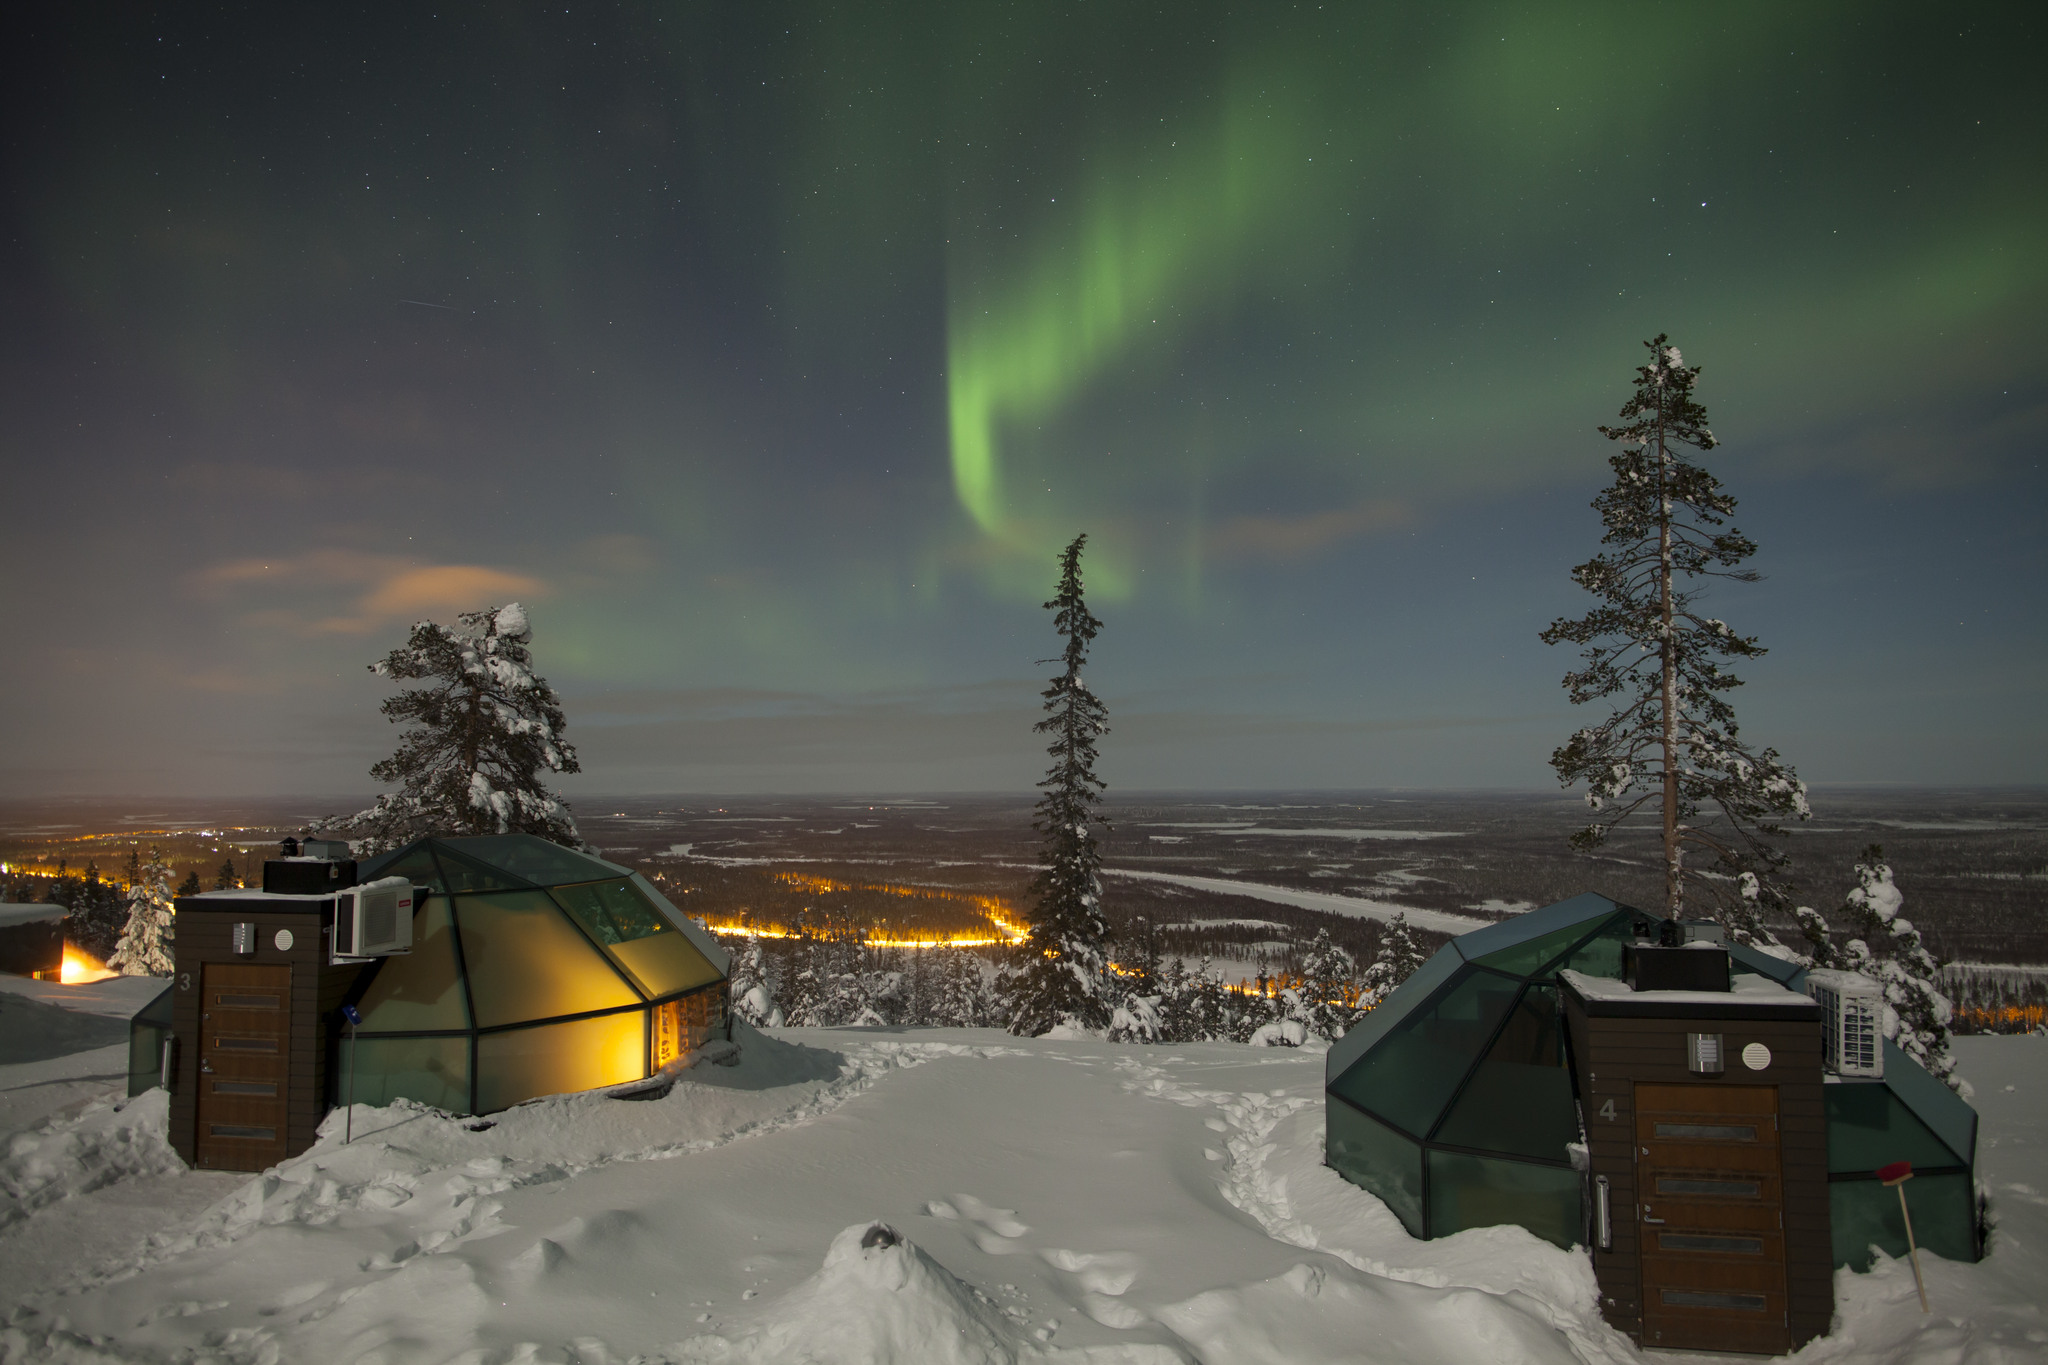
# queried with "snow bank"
point(111, 1140)
point(880, 1300)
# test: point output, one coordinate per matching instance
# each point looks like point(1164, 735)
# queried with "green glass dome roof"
point(535, 969)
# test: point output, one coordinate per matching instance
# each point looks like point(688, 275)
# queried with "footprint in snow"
point(992, 1229)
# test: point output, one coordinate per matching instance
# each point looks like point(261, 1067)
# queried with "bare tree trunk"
point(1673, 878)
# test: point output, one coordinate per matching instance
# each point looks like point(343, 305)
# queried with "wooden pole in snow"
point(1895, 1177)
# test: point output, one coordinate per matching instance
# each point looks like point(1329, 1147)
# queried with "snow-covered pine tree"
point(1672, 738)
point(1174, 999)
point(97, 909)
point(964, 1001)
point(1061, 981)
point(1137, 960)
point(482, 734)
point(145, 946)
point(800, 988)
point(1398, 957)
point(1885, 947)
point(753, 997)
point(919, 989)
point(1325, 985)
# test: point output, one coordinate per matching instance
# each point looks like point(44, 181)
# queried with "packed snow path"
point(1038, 1201)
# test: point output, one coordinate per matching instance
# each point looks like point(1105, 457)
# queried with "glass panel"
point(531, 858)
point(682, 1026)
point(1715, 1132)
point(158, 1010)
point(1520, 1098)
point(613, 911)
point(420, 990)
point(415, 865)
point(1869, 1127)
point(463, 873)
point(1522, 959)
point(430, 1070)
point(527, 961)
point(665, 963)
point(1409, 1075)
point(638, 936)
point(148, 1030)
point(1945, 1113)
point(557, 1058)
point(1601, 954)
point(1716, 1189)
point(1694, 1241)
point(1771, 967)
point(1376, 1158)
point(1584, 911)
point(1864, 1213)
point(1479, 1191)
point(1442, 965)
point(1710, 1298)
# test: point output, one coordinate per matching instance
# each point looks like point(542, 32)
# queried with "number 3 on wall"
point(1607, 1111)
point(184, 981)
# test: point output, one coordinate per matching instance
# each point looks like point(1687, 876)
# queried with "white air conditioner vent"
point(1852, 1022)
point(373, 920)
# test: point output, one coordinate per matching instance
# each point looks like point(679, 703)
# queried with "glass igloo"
point(534, 970)
point(1452, 1101)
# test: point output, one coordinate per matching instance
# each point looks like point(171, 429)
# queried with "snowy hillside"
point(1038, 1201)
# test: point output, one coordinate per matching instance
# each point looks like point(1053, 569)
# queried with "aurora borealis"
point(770, 352)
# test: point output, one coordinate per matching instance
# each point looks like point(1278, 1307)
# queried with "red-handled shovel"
point(1895, 1176)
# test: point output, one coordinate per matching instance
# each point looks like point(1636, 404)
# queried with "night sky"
point(770, 352)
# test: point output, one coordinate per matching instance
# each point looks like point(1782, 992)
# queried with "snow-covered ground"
point(1356, 906)
point(1039, 1201)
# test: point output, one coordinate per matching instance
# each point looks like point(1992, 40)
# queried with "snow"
point(1355, 906)
point(1744, 988)
point(871, 1195)
point(1313, 832)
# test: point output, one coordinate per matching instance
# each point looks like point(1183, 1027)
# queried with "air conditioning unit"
point(373, 920)
point(1852, 1022)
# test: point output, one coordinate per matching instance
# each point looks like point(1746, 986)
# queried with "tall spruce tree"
point(1671, 742)
point(483, 733)
point(1061, 981)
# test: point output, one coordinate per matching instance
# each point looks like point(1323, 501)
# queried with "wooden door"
point(1711, 1199)
point(245, 1016)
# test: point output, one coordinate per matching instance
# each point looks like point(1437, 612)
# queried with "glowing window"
point(682, 1026)
point(554, 1058)
point(638, 937)
point(527, 961)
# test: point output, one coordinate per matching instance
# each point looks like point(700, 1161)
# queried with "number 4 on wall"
point(1607, 1111)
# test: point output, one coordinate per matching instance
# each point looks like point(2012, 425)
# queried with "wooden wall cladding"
point(205, 933)
point(1612, 1054)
